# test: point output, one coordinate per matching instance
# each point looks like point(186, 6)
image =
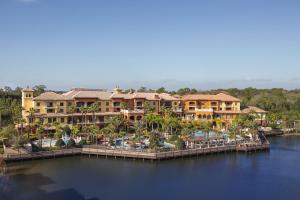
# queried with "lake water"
point(263, 175)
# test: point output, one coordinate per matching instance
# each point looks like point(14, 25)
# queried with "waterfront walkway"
point(135, 154)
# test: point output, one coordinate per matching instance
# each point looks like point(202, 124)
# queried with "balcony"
point(177, 109)
point(135, 111)
point(204, 110)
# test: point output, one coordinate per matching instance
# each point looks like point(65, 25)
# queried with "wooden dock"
point(135, 154)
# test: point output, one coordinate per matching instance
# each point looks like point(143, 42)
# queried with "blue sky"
point(133, 43)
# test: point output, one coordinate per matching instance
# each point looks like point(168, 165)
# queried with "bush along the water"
point(81, 143)
point(35, 148)
point(60, 143)
point(71, 143)
point(179, 144)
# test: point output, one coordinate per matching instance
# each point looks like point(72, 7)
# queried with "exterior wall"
point(27, 103)
point(187, 109)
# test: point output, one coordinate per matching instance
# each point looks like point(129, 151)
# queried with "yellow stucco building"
point(51, 107)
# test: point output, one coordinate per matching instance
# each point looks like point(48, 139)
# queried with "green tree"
point(154, 141)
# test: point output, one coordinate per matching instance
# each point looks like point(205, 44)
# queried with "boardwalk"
point(119, 153)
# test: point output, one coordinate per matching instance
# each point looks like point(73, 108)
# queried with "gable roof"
point(253, 109)
point(51, 96)
point(97, 94)
point(144, 95)
point(217, 97)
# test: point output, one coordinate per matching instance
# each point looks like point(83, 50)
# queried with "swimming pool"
point(212, 134)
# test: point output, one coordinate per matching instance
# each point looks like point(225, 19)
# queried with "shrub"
point(179, 144)
point(35, 148)
point(71, 143)
point(67, 130)
point(81, 143)
point(60, 143)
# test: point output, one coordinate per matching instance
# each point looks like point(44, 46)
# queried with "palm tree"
point(95, 132)
point(206, 127)
point(148, 108)
point(31, 112)
point(138, 126)
point(93, 109)
point(152, 119)
point(149, 120)
point(71, 110)
point(75, 131)
point(58, 131)
point(172, 123)
point(122, 134)
point(185, 134)
point(114, 124)
point(107, 132)
point(40, 132)
point(84, 111)
point(124, 105)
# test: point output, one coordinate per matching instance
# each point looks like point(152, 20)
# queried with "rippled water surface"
point(262, 175)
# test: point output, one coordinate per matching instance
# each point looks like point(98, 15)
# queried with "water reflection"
point(260, 175)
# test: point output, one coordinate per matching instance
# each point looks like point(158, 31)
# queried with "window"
point(139, 104)
point(191, 108)
point(69, 103)
point(49, 104)
point(62, 120)
point(38, 104)
point(100, 110)
point(107, 103)
point(50, 110)
point(107, 109)
point(89, 103)
point(117, 103)
point(99, 103)
point(191, 103)
point(61, 104)
point(61, 110)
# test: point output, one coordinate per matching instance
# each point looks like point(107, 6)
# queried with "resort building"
point(51, 107)
point(222, 107)
point(258, 113)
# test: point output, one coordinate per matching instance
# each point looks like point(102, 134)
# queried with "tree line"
point(281, 102)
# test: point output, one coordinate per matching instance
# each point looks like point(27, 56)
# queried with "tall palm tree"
point(58, 131)
point(151, 119)
point(74, 132)
point(95, 132)
point(31, 113)
point(107, 132)
point(185, 134)
point(122, 134)
point(93, 109)
point(114, 124)
point(138, 127)
point(84, 111)
point(40, 132)
point(173, 124)
point(71, 110)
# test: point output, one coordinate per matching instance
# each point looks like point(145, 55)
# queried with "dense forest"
point(285, 103)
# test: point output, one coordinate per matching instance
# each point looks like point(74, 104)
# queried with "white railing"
point(204, 110)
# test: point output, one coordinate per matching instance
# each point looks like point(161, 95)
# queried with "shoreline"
point(132, 154)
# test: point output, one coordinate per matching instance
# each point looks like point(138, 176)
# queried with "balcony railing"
point(204, 110)
point(139, 111)
point(177, 109)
